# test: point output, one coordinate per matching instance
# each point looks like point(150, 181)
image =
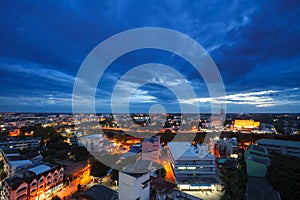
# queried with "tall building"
point(134, 181)
point(194, 167)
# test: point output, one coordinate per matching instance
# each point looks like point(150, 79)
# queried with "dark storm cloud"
point(270, 35)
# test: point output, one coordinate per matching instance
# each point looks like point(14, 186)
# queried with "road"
point(70, 189)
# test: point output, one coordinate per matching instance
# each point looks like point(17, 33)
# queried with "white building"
point(134, 181)
point(93, 143)
point(14, 163)
point(193, 167)
point(33, 143)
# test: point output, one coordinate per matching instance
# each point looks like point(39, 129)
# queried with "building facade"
point(193, 167)
point(151, 149)
point(257, 161)
point(33, 182)
point(291, 148)
point(134, 181)
point(33, 143)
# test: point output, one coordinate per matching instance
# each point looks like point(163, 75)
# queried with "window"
point(21, 190)
point(23, 196)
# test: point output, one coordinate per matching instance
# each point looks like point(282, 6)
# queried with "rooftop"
point(16, 158)
point(39, 169)
point(92, 136)
point(186, 150)
point(161, 186)
point(286, 143)
point(138, 169)
point(100, 192)
point(14, 182)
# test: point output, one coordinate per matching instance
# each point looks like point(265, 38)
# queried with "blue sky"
point(255, 45)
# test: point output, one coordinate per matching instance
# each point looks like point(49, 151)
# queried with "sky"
point(254, 44)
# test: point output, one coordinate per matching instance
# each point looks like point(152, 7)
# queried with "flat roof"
point(138, 169)
point(185, 149)
point(92, 136)
point(40, 169)
point(100, 192)
point(16, 158)
point(286, 143)
point(20, 162)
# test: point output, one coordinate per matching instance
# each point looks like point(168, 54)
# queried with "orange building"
point(15, 133)
point(241, 124)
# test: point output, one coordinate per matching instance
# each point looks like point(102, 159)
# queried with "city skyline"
point(255, 46)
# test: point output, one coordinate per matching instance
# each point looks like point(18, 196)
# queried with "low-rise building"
point(92, 142)
point(33, 182)
point(257, 161)
point(99, 192)
point(32, 143)
point(13, 161)
point(242, 124)
point(291, 148)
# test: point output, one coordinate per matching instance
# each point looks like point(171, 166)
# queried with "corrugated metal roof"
point(39, 169)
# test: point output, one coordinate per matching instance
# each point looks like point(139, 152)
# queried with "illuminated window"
point(191, 168)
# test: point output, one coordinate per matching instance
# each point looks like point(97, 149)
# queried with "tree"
point(98, 169)
point(56, 198)
point(234, 183)
point(114, 175)
point(161, 172)
point(284, 170)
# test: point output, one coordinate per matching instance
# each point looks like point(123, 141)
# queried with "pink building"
point(32, 182)
point(151, 148)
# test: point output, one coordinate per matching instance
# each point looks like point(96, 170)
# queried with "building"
point(291, 148)
point(32, 143)
point(257, 161)
point(165, 190)
point(99, 192)
point(226, 147)
point(134, 181)
point(13, 161)
point(194, 167)
point(93, 142)
point(151, 148)
point(242, 124)
point(38, 181)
